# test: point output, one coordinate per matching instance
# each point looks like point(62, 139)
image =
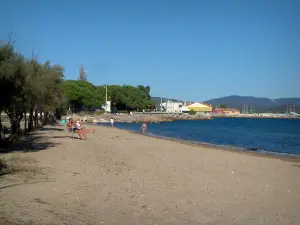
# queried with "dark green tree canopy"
point(27, 85)
point(84, 95)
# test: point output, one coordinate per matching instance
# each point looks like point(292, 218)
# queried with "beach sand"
point(117, 177)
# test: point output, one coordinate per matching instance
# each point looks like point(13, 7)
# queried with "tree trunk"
point(30, 125)
point(19, 119)
point(25, 122)
point(41, 117)
point(37, 118)
point(15, 119)
point(58, 113)
point(12, 118)
point(34, 119)
point(45, 121)
point(36, 122)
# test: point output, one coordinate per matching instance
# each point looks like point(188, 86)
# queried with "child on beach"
point(112, 121)
point(144, 128)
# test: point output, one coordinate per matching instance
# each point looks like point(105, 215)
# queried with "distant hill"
point(253, 104)
point(257, 104)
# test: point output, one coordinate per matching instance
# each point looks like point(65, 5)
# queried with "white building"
point(185, 109)
point(172, 107)
point(108, 106)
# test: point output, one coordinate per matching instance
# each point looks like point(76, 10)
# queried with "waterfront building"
point(200, 107)
point(226, 111)
point(172, 107)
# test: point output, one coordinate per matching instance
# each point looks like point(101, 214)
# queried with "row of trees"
point(28, 87)
point(83, 95)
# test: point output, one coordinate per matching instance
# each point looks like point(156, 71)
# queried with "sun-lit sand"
point(117, 177)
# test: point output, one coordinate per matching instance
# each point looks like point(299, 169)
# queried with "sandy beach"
point(117, 177)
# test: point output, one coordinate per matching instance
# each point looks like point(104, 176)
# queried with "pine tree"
point(82, 74)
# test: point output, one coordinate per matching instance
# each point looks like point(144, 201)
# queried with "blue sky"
point(192, 50)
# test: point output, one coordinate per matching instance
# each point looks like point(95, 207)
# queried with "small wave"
point(227, 147)
point(261, 137)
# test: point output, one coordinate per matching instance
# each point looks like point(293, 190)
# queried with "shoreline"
point(157, 118)
point(257, 117)
point(137, 118)
point(103, 121)
point(119, 177)
point(228, 148)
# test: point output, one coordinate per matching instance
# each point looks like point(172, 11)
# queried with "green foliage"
point(223, 106)
point(27, 85)
point(84, 95)
point(192, 112)
point(12, 76)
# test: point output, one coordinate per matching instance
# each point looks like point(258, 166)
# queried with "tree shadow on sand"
point(37, 140)
point(49, 129)
point(30, 143)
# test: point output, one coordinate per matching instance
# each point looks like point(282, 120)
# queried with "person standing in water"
point(112, 121)
point(144, 128)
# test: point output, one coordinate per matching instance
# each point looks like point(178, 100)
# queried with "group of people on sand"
point(79, 127)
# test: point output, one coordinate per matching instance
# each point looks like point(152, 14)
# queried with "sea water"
point(268, 136)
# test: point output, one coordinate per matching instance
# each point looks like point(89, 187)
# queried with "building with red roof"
point(226, 111)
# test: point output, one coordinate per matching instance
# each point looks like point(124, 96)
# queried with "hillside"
point(254, 104)
point(257, 104)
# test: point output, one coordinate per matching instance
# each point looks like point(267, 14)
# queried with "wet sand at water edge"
point(117, 177)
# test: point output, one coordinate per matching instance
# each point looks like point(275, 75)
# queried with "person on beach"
point(112, 122)
point(72, 126)
point(84, 127)
point(144, 128)
point(63, 122)
point(78, 125)
point(80, 128)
